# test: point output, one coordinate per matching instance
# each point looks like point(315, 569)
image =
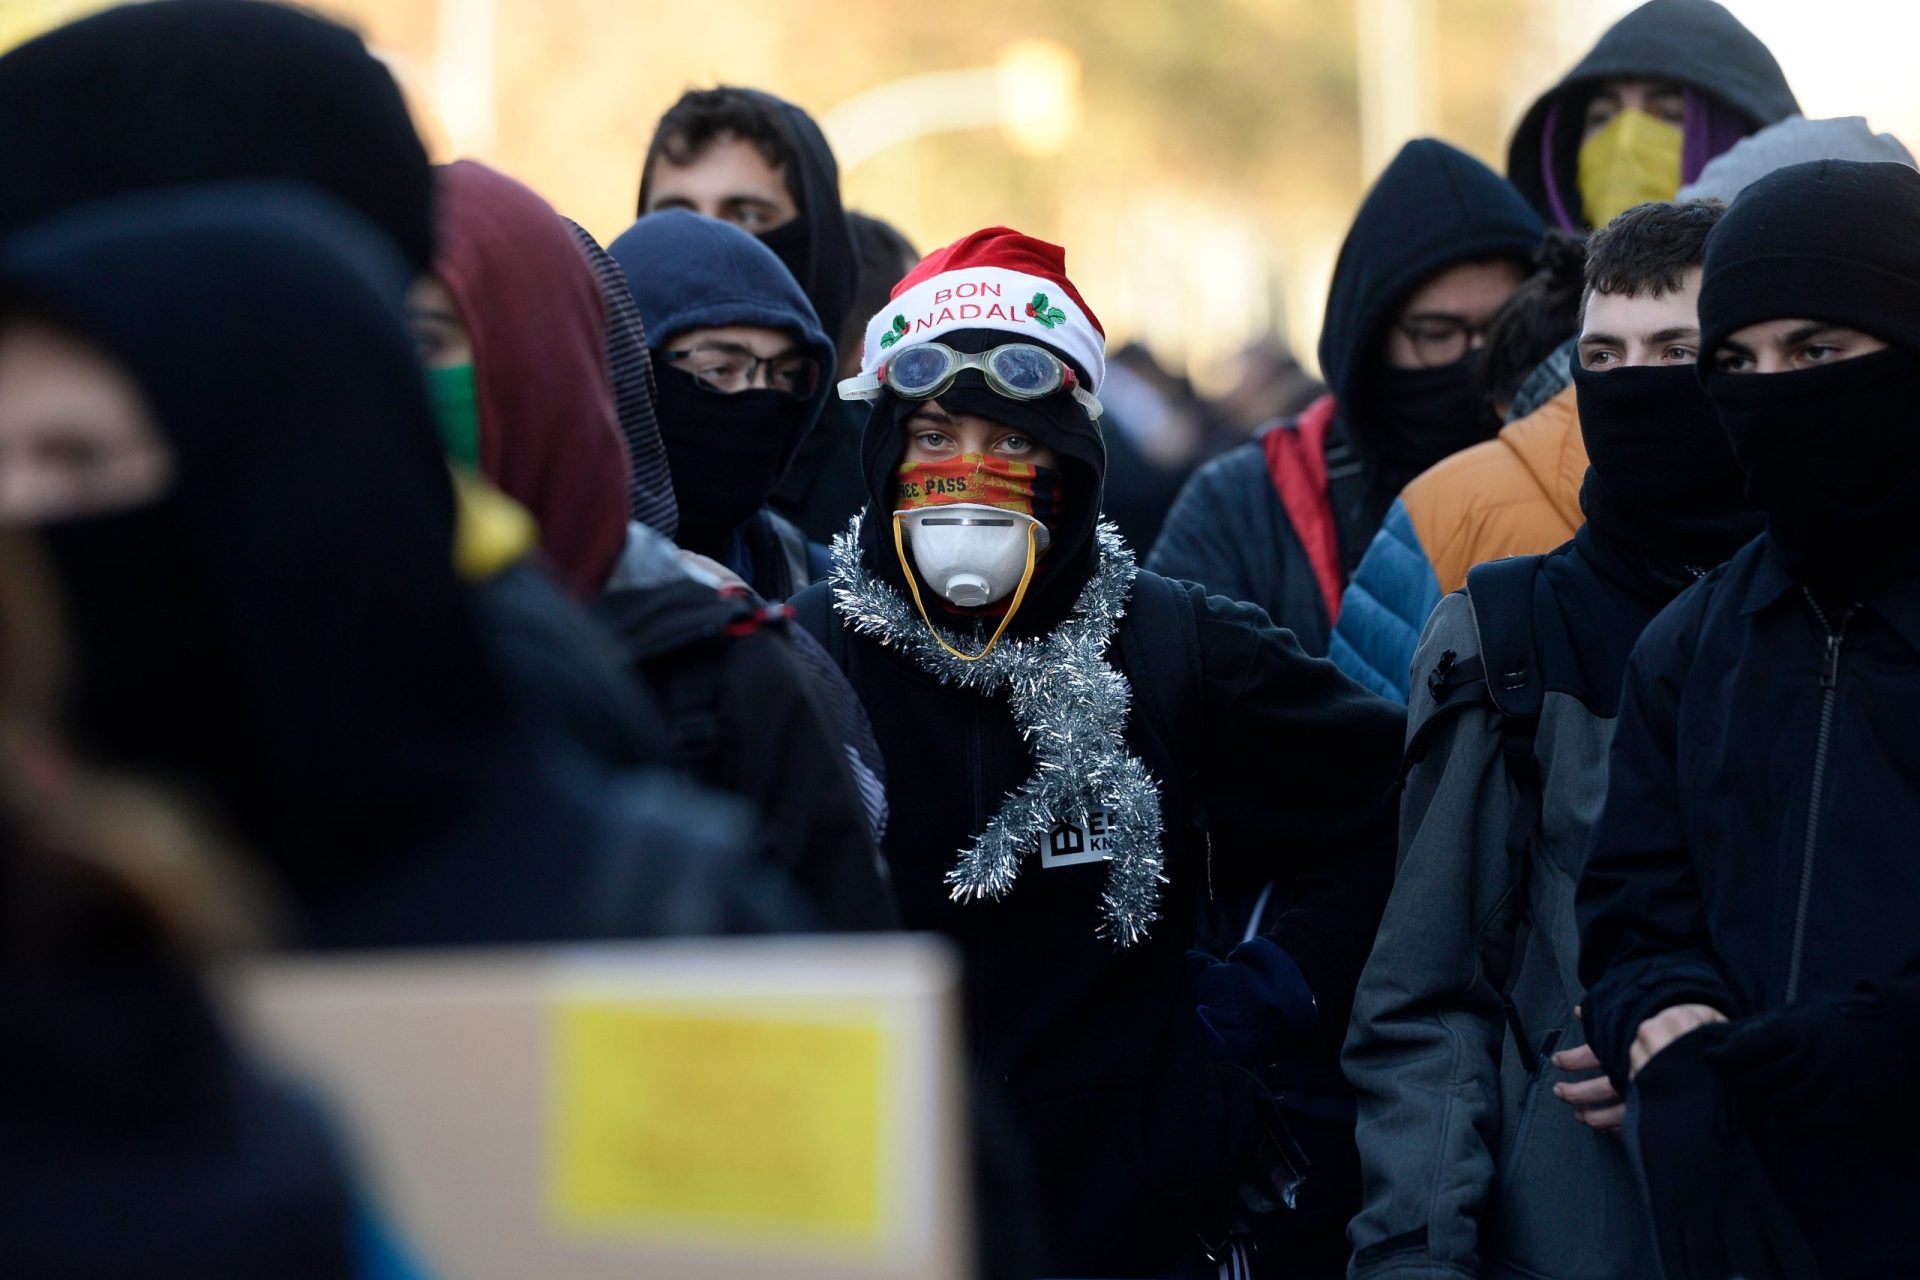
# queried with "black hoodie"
point(281, 631)
point(822, 487)
point(1696, 44)
point(1271, 764)
point(1434, 207)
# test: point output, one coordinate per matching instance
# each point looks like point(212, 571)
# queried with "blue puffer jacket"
point(1385, 607)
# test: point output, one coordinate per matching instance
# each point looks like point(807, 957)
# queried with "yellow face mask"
point(1633, 160)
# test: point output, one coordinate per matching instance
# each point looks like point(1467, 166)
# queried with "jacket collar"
point(1898, 602)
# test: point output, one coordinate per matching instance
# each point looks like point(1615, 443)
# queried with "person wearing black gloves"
point(762, 164)
point(741, 371)
point(1073, 747)
point(1753, 863)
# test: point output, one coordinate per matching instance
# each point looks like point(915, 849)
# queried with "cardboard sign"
point(710, 1110)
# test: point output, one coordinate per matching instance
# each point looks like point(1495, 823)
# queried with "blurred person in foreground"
point(212, 90)
point(514, 315)
point(762, 164)
point(269, 620)
point(1438, 246)
point(1484, 1135)
point(1072, 746)
point(1748, 899)
point(139, 1142)
point(1666, 89)
point(1519, 492)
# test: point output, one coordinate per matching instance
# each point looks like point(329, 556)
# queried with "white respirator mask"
point(971, 555)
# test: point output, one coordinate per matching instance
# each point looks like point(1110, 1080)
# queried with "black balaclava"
point(1831, 454)
point(732, 451)
point(1663, 482)
point(282, 629)
point(1434, 207)
point(1057, 421)
point(155, 95)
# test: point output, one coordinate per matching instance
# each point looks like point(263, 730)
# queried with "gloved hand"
point(1826, 1062)
point(1253, 1002)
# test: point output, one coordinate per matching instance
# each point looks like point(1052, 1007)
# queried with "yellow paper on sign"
point(717, 1121)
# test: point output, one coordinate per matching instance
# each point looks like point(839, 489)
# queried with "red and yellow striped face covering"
point(990, 482)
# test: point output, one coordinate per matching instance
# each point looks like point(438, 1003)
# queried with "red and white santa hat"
point(992, 279)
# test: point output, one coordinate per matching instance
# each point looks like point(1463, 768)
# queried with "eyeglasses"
point(1016, 370)
point(727, 368)
point(1441, 340)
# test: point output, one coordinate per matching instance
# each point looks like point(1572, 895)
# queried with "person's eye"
point(1727, 362)
point(1680, 355)
point(1817, 353)
point(750, 218)
point(933, 441)
point(1601, 113)
point(1600, 359)
point(1015, 444)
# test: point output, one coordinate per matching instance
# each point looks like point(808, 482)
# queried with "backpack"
point(1504, 676)
point(681, 636)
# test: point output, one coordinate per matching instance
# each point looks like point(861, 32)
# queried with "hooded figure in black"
point(728, 448)
point(1062, 843)
point(1754, 863)
point(822, 488)
point(1282, 522)
point(280, 632)
point(1728, 83)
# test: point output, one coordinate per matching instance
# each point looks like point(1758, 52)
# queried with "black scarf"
point(1663, 481)
point(726, 453)
point(1405, 420)
point(1832, 457)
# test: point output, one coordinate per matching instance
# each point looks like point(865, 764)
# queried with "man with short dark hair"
point(1748, 902)
point(1466, 1010)
point(749, 158)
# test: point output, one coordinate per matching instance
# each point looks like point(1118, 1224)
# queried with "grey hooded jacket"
point(1471, 1166)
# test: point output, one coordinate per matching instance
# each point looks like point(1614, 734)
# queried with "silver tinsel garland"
point(1071, 706)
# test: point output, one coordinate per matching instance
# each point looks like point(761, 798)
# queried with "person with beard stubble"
point(1747, 902)
point(1439, 244)
point(750, 159)
point(1480, 1120)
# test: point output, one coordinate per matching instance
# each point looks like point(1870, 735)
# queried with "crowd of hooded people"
point(1457, 831)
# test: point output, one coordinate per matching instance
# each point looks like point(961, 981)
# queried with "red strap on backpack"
point(1297, 461)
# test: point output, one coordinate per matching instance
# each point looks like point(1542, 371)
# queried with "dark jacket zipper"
point(1829, 688)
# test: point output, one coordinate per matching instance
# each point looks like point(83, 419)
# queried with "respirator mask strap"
point(913, 586)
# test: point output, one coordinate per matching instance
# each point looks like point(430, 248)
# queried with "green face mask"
point(456, 411)
point(1633, 160)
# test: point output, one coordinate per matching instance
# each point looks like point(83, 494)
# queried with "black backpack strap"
point(1501, 593)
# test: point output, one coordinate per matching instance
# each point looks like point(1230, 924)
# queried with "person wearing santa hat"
point(1080, 755)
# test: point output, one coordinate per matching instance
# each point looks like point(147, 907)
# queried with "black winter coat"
point(1281, 769)
point(1757, 846)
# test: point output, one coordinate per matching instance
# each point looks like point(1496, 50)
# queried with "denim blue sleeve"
point(1385, 608)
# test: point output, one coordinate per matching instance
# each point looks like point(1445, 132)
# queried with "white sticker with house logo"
point(1072, 844)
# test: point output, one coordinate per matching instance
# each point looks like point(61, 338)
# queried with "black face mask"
point(726, 452)
point(1663, 480)
point(792, 243)
point(1832, 456)
point(153, 690)
point(1410, 419)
